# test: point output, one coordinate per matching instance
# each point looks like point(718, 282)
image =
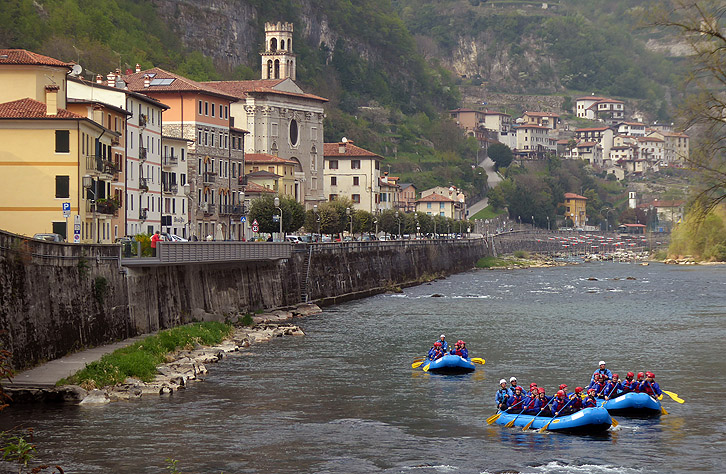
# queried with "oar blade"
point(510, 423)
point(614, 422)
point(426, 367)
point(544, 428)
point(492, 419)
point(478, 360)
point(674, 396)
point(417, 364)
point(526, 427)
point(663, 410)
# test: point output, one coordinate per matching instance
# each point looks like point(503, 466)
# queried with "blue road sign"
point(243, 219)
point(66, 206)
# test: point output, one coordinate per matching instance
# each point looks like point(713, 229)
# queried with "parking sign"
point(66, 209)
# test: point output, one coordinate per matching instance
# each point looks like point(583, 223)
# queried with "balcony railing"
point(143, 213)
point(142, 120)
point(98, 164)
point(142, 154)
point(143, 185)
point(237, 209)
point(170, 188)
point(209, 178)
point(169, 161)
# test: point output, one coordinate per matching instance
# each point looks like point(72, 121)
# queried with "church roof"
point(242, 89)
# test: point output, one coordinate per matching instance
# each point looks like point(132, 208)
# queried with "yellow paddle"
point(544, 428)
point(426, 367)
point(494, 417)
point(663, 410)
point(615, 422)
point(478, 360)
point(674, 396)
point(417, 364)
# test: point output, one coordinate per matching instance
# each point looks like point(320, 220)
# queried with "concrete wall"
point(56, 298)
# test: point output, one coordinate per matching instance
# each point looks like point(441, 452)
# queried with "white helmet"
point(513, 379)
point(502, 381)
point(602, 362)
point(442, 337)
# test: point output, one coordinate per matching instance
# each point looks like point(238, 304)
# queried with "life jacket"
point(589, 403)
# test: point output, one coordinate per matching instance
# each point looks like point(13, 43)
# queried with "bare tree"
point(700, 24)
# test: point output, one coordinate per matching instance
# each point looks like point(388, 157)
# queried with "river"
point(344, 399)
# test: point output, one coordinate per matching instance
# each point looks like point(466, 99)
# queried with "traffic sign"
point(254, 222)
point(243, 219)
point(66, 209)
point(255, 228)
point(76, 238)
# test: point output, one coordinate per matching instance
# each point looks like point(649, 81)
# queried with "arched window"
point(282, 45)
point(269, 69)
point(273, 44)
point(273, 149)
point(277, 69)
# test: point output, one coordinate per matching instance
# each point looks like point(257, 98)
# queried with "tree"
point(263, 208)
point(704, 111)
point(500, 154)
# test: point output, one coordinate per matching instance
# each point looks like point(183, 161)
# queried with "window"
point(213, 109)
point(356, 181)
point(62, 141)
point(333, 164)
point(226, 111)
point(333, 181)
point(332, 197)
point(182, 154)
point(200, 107)
point(62, 186)
point(273, 129)
point(206, 108)
point(294, 132)
point(355, 198)
point(211, 143)
point(355, 164)
point(206, 137)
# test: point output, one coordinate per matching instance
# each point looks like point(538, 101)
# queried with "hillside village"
point(140, 151)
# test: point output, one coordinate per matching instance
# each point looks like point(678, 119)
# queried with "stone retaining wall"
point(57, 298)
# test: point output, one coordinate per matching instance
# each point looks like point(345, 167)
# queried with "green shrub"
point(521, 254)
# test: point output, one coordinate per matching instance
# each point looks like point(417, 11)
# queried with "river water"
point(344, 399)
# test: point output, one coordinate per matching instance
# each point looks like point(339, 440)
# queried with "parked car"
point(294, 239)
point(49, 237)
point(172, 237)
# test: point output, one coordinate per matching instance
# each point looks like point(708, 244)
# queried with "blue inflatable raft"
point(587, 421)
point(449, 364)
point(634, 404)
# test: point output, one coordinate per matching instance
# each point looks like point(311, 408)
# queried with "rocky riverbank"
point(182, 367)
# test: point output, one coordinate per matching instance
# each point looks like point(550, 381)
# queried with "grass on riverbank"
point(140, 359)
point(519, 259)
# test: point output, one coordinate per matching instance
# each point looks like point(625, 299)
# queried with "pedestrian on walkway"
point(154, 239)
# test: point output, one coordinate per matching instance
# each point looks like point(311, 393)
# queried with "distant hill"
point(389, 67)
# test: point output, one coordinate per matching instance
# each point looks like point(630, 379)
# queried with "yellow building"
point(437, 205)
point(48, 154)
point(576, 209)
point(272, 172)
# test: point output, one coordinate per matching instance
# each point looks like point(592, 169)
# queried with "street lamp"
point(243, 224)
point(277, 206)
point(88, 183)
point(350, 215)
point(317, 217)
point(519, 219)
point(418, 228)
point(375, 222)
point(399, 224)
point(533, 225)
point(548, 223)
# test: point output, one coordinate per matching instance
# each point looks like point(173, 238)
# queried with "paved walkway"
point(493, 179)
point(46, 375)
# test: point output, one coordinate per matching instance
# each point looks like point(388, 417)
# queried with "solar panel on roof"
point(161, 82)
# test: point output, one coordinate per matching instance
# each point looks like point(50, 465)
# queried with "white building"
point(354, 173)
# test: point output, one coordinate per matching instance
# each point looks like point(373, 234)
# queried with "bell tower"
point(278, 62)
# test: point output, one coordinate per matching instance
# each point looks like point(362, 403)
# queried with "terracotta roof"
point(253, 187)
point(638, 124)
point(241, 89)
point(563, 142)
point(390, 184)
point(611, 101)
point(135, 82)
point(586, 144)
point(541, 114)
point(102, 104)
point(351, 151)
point(464, 110)
point(435, 198)
point(262, 174)
point(266, 158)
point(491, 112)
point(32, 109)
point(529, 125)
point(143, 97)
point(597, 99)
point(22, 56)
point(574, 196)
point(592, 129)
point(649, 139)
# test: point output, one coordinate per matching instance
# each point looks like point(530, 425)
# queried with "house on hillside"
point(600, 108)
point(576, 209)
point(437, 205)
point(543, 119)
point(352, 172)
point(407, 197)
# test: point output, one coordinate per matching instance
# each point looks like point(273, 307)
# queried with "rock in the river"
point(96, 397)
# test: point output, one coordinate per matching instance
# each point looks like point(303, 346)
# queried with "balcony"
point(206, 208)
point(169, 161)
point(143, 185)
point(142, 120)
point(97, 164)
point(209, 178)
point(169, 188)
point(237, 209)
point(142, 154)
point(143, 214)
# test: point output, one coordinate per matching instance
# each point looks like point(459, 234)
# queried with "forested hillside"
point(389, 67)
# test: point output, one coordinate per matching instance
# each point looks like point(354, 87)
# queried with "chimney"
point(147, 81)
point(51, 99)
point(138, 67)
point(111, 78)
point(341, 148)
point(99, 79)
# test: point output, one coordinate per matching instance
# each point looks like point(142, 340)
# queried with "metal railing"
point(170, 160)
point(142, 154)
point(143, 185)
point(231, 209)
point(212, 252)
point(170, 188)
point(209, 178)
point(99, 164)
